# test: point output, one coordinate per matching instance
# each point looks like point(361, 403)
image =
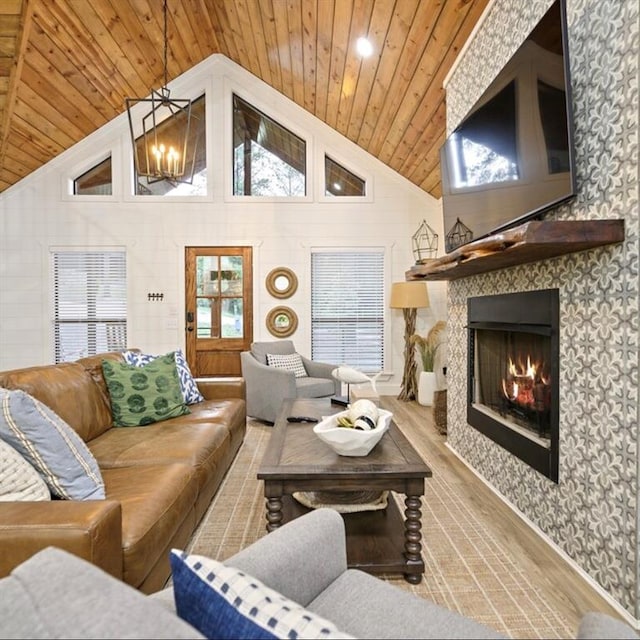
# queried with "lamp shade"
point(409, 295)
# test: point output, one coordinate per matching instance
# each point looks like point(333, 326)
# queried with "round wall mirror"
point(282, 321)
point(281, 282)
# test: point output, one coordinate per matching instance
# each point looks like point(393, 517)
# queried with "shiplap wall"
point(38, 214)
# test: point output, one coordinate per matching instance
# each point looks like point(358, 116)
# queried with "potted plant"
point(428, 348)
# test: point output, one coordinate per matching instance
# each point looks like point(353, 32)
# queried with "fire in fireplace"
point(513, 374)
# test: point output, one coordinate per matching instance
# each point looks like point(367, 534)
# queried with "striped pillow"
point(291, 362)
point(50, 445)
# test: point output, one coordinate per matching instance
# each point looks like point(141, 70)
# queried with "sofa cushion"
point(314, 387)
point(55, 594)
point(177, 440)
point(223, 602)
point(278, 347)
point(145, 394)
point(156, 501)
point(69, 390)
point(188, 385)
point(51, 446)
point(291, 362)
point(19, 480)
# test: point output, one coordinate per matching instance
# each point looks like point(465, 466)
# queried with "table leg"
point(274, 512)
point(413, 537)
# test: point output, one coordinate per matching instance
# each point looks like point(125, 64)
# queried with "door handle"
point(190, 317)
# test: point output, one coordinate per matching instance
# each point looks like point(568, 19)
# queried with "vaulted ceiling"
point(66, 67)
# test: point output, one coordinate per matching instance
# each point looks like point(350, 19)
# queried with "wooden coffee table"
point(380, 541)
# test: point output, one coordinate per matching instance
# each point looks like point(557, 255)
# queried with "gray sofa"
point(267, 386)
point(57, 595)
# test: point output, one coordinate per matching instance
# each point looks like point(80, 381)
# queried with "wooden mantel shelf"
point(530, 242)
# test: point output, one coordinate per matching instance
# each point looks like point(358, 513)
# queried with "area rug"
point(466, 569)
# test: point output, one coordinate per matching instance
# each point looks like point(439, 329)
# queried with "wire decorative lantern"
point(425, 243)
point(458, 235)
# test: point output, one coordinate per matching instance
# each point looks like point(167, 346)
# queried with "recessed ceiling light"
point(337, 186)
point(364, 47)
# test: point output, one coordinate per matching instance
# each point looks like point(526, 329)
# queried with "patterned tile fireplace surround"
point(592, 514)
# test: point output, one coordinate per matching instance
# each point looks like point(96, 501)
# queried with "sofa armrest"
point(300, 559)
point(222, 388)
point(604, 627)
point(90, 529)
point(267, 387)
point(322, 370)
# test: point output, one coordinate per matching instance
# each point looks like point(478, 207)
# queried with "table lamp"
point(409, 296)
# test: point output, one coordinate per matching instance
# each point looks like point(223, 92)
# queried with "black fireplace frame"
point(528, 312)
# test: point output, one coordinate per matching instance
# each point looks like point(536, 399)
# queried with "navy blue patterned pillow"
point(188, 385)
point(225, 603)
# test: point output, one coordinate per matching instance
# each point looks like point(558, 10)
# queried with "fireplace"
point(512, 388)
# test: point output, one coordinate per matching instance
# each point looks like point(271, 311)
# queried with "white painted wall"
point(38, 214)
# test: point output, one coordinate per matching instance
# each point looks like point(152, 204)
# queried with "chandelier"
point(162, 151)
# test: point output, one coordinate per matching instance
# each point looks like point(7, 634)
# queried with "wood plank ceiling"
point(66, 67)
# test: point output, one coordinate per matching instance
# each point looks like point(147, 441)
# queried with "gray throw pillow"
point(48, 443)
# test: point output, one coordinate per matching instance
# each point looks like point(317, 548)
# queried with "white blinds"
point(90, 303)
point(347, 308)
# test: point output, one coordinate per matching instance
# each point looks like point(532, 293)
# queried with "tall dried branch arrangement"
point(428, 347)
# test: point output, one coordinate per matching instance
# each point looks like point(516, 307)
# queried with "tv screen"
point(511, 158)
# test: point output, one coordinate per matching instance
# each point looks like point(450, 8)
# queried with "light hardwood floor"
point(548, 570)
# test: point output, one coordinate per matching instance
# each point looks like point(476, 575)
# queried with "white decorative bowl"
point(351, 442)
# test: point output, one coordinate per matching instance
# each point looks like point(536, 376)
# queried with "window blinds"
point(347, 308)
point(90, 303)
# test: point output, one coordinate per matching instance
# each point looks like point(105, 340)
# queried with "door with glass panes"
point(219, 309)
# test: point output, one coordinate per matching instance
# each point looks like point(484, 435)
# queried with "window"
point(95, 182)
point(347, 308)
point(90, 303)
point(220, 286)
point(268, 160)
point(197, 145)
point(339, 181)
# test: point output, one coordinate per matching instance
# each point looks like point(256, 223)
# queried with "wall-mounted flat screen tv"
point(511, 158)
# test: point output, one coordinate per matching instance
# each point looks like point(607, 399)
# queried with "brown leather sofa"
point(159, 479)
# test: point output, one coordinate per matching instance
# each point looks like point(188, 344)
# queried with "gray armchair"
point(267, 386)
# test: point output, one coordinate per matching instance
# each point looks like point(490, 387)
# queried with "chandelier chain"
point(164, 11)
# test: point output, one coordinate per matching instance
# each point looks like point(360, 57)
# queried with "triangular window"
point(269, 160)
point(95, 182)
point(339, 181)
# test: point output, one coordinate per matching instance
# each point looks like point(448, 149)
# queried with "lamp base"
point(409, 387)
point(343, 401)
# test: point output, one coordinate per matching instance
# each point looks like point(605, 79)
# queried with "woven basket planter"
point(440, 410)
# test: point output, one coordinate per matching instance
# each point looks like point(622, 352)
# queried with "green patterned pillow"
point(143, 395)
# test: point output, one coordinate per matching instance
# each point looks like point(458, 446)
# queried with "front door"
point(219, 308)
